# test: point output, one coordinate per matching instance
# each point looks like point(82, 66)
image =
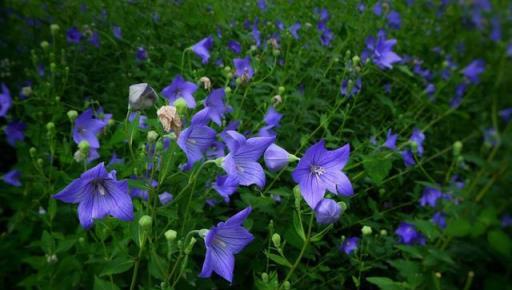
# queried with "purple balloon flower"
point(202, 48)
point(294, 30)
point(506, 114)
point(5, 101)
point(408, 235)
point(95, 39)
point(430, 196)
point(215, 108)
point(223, 241)
point(349, 245)
point(225, 186)
point(194, 141)
point(12, 178)
point(180, 89)
point(98, 194)
point(394, 19)
point(390, 142)
point(87, 127)
point(117, 32)
point(418, 137)
point(473, 70)
point(15, 132)
point(73, 35)
point(243, 68)
point(235, 46)
point(271, 119)
point(141, 54)
point(320, 170)
point(439, 219)
point(380, 50)
point(276, 158)
point(408, 158)
point(241, 164)
point(327, 211)
point(165, 198)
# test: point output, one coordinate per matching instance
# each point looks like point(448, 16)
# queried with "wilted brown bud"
point(206, 83)
point(170, 119)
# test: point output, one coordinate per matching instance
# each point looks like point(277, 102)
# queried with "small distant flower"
point(276, 158)
point(194, 141)
point(327, 211)
point(165, 198)
point(326, 37)
point(390, 142)
point(95, 39)
point(430, 197)
point(349, 245)
point(279, 24)
point(320, 170)
point(256, 34)
point(12, 178)
point(202, 48)
point(506, 221)
point(243, 68)
point(271, 119)
point(294, 30)
point(509, 49)
point(141, 96)
point(142, 193)
point(225, 186)
point(350, 88)
point(117, 32)
point(506, 114)
point(491, 136)
point(408, 235)
point(408, 158)
point(418, 137)
point(460, 90)
point(87, 128)
point(235, 46)
point(377, 8)
point(495, 29)
point(473, 70)
point(15, 132)
point(430, 90)
point(98, 194)
point(180, 89)
point(141, 54)
point(241, 163)
point(5, 101)
point(394, 19)
point(73, 35)
point(262, 4)
point(223, 241)
point(380, 51)
point(361, 7)
point(439, 219)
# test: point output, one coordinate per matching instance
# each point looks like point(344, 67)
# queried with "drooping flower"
point(327, 211)
point(165, 198)
point(87, 128)
point(73, 35)
point(5, 101)
point(262, 5)
point(377, 8)
point(141, 96)
point(380, 50)
point(408, 235)
point(225, 186)
point(223, 241)
point(235, 46)
point(170, 119)
point(430, 196)
point(256, 34)
point(15, 132)
point(439, 219)
point(241, 164)
point(180, 89)
point(243, 68)
point(320, 170)
point(12, 178)
point(194, 141)
point(390, 142)
point(276, 158)
point(460, 90)
point(202, 48)
point(349, 245)
point(473, 70)
point(98, 194)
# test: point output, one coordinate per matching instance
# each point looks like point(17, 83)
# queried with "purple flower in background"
point(460, 90)
point(15, 132)
point(12, 178)
point(115, 160)
point(215, 106)
point(202, 48)
point(179, 88)
point(241, 164)
point(320, 170)
point(361, 7)
point(491, 137)
point(408, 235)
point(354, 88)
point(235, 46)
point(243, 68)
point(390, 142)
point(327, 211)
point(326, 37)
point(408, 158)
point(394, 19)
point(509, 49)
point(349, 245)
point(117, 32)
point(496, 29)
point(5, 101)
point(473, 70)
point(165, 198)
point(430, 90)
point(223, 241)
point(276, 158)
point(141, 54)
point(87, 127)
point(430, 197)
point(95, 39)
point(142, 193)
point(41, 71)
point(271, 119)
point(418, 137)
point(256, 35)
point(377, 8)
point(262, 5)
point(73, 35)
point(439, 219)
point(280, 25)
point(98, 194)
point(294, 30)
point(506, 221)
point(506, 114)
point(324, 15)
point(380, 50)
point(194, 141)
point(225, 186)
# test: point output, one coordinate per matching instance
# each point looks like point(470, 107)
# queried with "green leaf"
point(103, 285)
point(279, 260)
point(500, 242)
point(318, 237)
point(157, 266)
point(385, 283)
point(117, 265)
point(458, 228)
point(297, 225)
point(47, 243)
point(377, 167)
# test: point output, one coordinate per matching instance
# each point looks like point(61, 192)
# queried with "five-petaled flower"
point(180, 89)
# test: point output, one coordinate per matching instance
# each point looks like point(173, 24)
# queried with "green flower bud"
point(27, 91)
point(57, 99)
point(286, 285)
point(229, 75)
point(203, 233)
point(171, 235)
point(54, 28)
point(281, 90)
point(72, 115)
point(343, 205)
point(457, 148)
point(292, 158)
point(84, 147)
point(145, 223)
point(51, 259)
point(239, 81)
point(190, 246)
point(276, 239)
point(32, 152)
point(264, 277)
point(53, 67)
point(297, 195)
point(383, 232)
point(227, 69)
point(382, 191)
point(50, 126)
point(40, 162)
point(366, 230)
point(356, 60)
point(414, 146)
point(152, 137)
point(227, 90)
point(276, 52)
point(81, 240)
point(45, 44)
point(180, 105)
point(219, 161)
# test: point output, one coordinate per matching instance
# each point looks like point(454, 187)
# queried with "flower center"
point(317, 170)
point(98, 184)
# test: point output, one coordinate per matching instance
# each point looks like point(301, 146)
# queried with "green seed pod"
point(145, 223)
point(72, 115)
point(44, 45)
point(457, 148)
point(366, 230)
point(171, 235)
point(54, 28)
point(276, 240)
